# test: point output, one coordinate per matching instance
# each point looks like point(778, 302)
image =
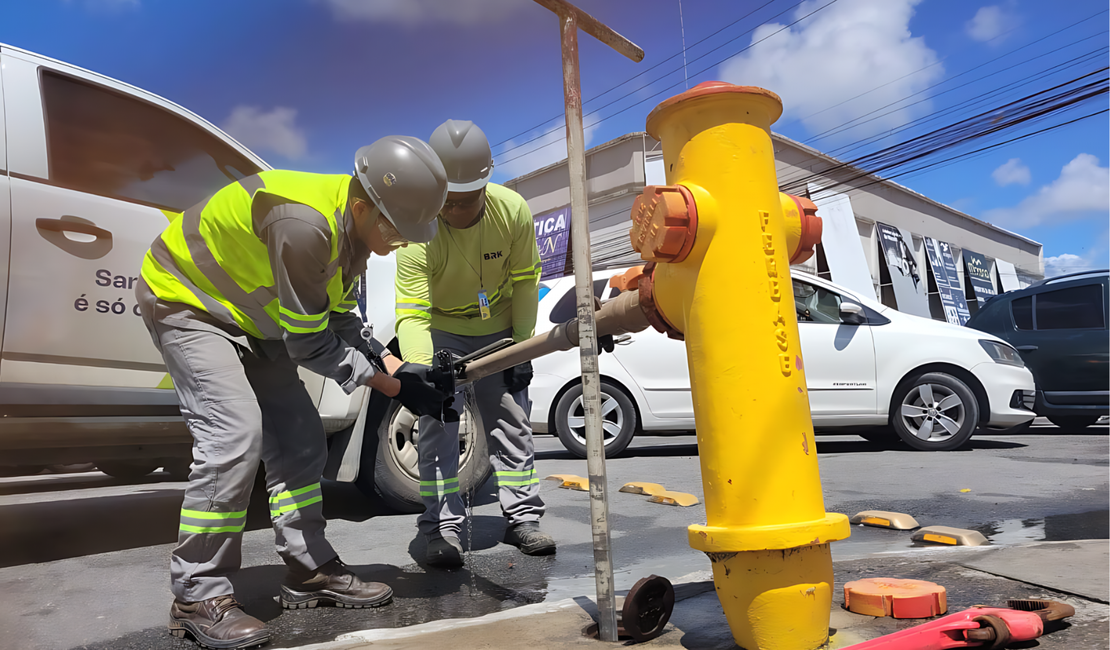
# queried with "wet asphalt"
point(83, 557)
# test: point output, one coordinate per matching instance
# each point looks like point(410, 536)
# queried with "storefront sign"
point(951, 293)
point(979, 273)
point(841, 242)
point(910, 285)
point(552, 238)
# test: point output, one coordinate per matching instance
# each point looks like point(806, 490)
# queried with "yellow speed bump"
point(639, 487)
point(884, 519)
point(949, 536)
point(571, 482)
point(674, 499)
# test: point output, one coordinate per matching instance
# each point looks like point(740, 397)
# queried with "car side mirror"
point(850, 312)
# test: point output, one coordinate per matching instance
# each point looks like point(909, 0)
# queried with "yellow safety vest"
point(211, 258)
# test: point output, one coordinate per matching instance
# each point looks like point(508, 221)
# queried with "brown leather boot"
point(218, 622)
point(331, 583)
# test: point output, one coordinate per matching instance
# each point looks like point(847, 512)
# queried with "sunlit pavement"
point(85, 556)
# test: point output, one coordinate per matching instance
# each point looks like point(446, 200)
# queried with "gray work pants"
point(508, 438)
point(240, 408)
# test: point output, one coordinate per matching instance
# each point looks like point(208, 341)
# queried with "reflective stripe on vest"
point(213, 259)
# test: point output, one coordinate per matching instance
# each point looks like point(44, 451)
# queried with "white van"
point(91, 171)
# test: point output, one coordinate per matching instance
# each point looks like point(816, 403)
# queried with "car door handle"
point(66, 225)
point(1026, 348)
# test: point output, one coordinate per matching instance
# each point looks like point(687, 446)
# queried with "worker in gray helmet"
point(238, 292)
point(475, 283)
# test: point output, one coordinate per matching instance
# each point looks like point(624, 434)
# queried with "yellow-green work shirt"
point(438, 282)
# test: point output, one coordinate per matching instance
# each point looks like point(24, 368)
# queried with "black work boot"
point(331, 583)
point(444, 552)
point(218, 622)
point(529, 539)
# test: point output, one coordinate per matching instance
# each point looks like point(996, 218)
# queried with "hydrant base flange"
point(732, 539)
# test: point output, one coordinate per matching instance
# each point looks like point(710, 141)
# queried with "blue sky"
point(305, 82)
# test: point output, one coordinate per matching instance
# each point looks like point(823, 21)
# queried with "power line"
point(637, 103)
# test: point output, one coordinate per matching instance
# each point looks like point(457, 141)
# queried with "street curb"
point(687, 586)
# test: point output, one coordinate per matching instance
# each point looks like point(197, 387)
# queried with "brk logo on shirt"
point(492, 256)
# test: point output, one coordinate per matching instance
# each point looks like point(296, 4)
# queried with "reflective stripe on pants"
point(240, 408)
point(508, 438)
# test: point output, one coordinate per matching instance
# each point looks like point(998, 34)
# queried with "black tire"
point(1073, 421)
point(618, 422)
point(921, 418)
point(127, 470)
point(396, 478)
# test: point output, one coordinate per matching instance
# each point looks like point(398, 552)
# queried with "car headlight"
point(1002, 353)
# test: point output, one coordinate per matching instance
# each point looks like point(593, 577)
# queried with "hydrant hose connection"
point(722, 279)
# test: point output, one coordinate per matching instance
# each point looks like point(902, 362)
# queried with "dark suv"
point(1059, 327)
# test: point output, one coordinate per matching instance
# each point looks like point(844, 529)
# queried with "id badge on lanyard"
point(483, 304)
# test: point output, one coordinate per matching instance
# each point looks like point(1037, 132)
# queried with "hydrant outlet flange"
point(664, 223)
point(651, 310)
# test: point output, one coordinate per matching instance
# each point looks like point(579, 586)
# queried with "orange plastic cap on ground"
point(895, 597)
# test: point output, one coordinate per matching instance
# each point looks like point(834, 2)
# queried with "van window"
point(1074, 308)
point(103, 142)
point(1022, 309)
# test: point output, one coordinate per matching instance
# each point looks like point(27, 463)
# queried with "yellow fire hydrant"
point(721, 281)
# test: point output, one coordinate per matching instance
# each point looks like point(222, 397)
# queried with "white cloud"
point(547, 149)
point(1011, 172)
point(990, 22)
point(1082, 190)
point(416, 12)
point(851, 48)
point(273, 132)
point(1065, 263)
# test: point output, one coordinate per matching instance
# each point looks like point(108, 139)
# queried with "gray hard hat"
point(465, 153)
point(406, 180)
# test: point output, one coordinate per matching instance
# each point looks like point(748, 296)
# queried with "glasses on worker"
point(389, 234)
point(465, 203)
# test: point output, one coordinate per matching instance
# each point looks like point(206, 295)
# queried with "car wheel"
point(618, 420)
point(1073, 421)
point(396, 469)
point(935, 412)
point(127, 470)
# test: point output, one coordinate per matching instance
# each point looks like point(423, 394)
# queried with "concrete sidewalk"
point(1075, 572)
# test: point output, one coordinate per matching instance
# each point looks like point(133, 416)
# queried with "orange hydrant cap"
point(895, 597)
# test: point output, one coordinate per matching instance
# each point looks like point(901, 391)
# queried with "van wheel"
point(396, 470)
point(127, 470)
point(1073, 421)
point(934, 412)
point(618, 420)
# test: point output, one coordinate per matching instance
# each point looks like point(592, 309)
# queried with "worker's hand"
point(418, 392)
point(606, 344)
point(519, 377)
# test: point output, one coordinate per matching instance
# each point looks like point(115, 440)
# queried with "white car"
point(866, 365)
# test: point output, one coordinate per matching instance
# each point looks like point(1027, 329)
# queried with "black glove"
point(517, 378)
point(419, 392)
point(605, 344)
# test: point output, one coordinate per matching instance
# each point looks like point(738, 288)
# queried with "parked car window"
point(1074, 308)
point(815, 304)
point(567, 307)
point(105, 143)
point(1022, 309)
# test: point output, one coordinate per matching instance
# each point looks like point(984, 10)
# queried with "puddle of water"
point(1053, 528)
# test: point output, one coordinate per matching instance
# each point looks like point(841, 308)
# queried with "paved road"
point(83, 557)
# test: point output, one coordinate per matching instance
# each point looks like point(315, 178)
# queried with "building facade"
point(879, 238)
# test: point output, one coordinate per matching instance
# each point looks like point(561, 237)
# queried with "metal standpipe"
point(722, 282)
point(570, 19)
